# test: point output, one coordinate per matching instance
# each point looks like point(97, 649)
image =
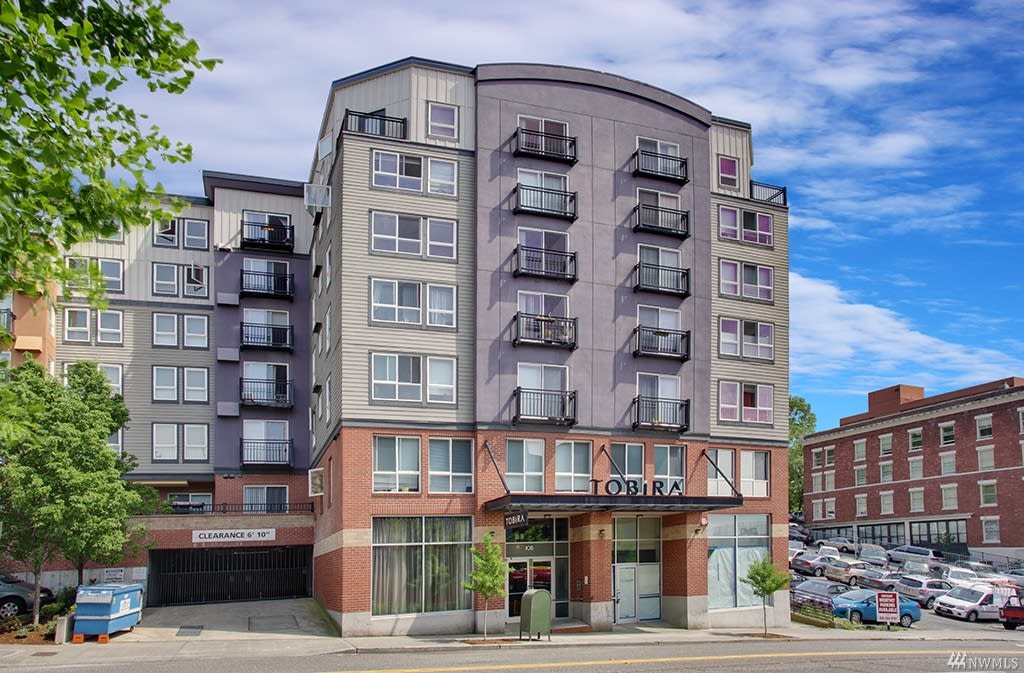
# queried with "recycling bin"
point(107, 608)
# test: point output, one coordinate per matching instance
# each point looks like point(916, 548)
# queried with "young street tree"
point(489, 573)
point(73, 160)
point(801, 423)
point(765, 579)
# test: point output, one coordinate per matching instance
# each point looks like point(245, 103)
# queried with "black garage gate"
point(191, 576)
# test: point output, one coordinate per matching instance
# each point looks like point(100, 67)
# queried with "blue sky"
point(897, 126)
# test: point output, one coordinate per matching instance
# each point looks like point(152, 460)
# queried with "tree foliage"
point(73, 160)
point(801, 423)
point(765, 579)
point(489, 572)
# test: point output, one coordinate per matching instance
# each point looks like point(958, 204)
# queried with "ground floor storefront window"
point(734, 543)
point(538, 558)
point(420, 563)
point(637, 559)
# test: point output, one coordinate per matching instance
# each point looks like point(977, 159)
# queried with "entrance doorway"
point(625, 594)
point(528, 574)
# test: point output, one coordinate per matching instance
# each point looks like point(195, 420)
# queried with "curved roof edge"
point(398, 65)
point(574, 75)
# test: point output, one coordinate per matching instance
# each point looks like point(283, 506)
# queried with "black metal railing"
point(270, 235)
point(661, 413)
point(266, 451)
point(761, 191)
point(545, 406)
point(241, 508)
point(660, 342)
point(374, 125)
point(545, 263)
point(545, 330)
point(547, 202)
point(544, 145)
point(6, 319)
point(265, 392)
point(665, 166)
point(268, 284)
point(661, 220)
point(664, 279)
point(261, 335)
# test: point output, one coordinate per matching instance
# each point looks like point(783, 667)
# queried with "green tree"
point(765, 579)
point(489, 573)
point(801, 423)
point(73, 160)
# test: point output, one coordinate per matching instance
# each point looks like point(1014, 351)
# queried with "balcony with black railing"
point(374, 124)
point(185, 507)
point(266, 284)
point(657, 220)
point(762, 191)
point(663, 166)
point(545, 202)
point(266, 451)
point(260, 235)
point(262, 335)
point(661, 413)
point(661, 343)
point(542, 263)
point(662, 279)
point(556, 407)
point(545, 330)
point(527, 143)
point(265, 392)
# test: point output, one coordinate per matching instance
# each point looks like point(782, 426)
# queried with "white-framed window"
point(860, 502)
point(396, 301)
point(915, 439)
point(949, 498)
point(197, 442)
point(399, 171)
point(442, 177)
point(983, 426)
point(165, 442)
point(79, 265)
point(442, 120)
point(165, 383)
point(885, 471)
point(441, 238)
point(196, 234)
point(327, 397)
point(165, 329)
point(916, 499)
point(987, 493)
point(989, 529)
point(397, 377)
point(986, 458)
point(728, 172)
point(76, 324)
point(947, 462)
point(885, 502)
point(327, 331)
point(441, 380)
point(630, 459)
point(197, 331)
point(196, 380)
point(396, 464)
point(114, 374)
point(754, 473)
point(667, 163)
point(860, 475)
point(757, 338)
point(885, 445)
point(112, 271)
point(860, 447)
point(719, 479)
point(830, 480)
point(451, 465)
point(196, 281)
point(947, 434)
point(572, 466)
point(915, 468)
point(749, 281)
point(440, 305)
point(116, 236)
point(391, 232)
point(830, 508)
point(816, 509)
point(165, 234)
point(816, 479)
point(817, 457)
point(115, 442)
point(109, 327)
point(543, 135)
point(830, 455)
point(548, 193)
point(748, 226)
point(1020, 421)
point(265, 499)
point(524, 465)
point(165, 279)
point(328, 271)
point(670, 467)
point(746, 402)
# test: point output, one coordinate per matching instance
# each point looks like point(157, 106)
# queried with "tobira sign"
point(516, 519)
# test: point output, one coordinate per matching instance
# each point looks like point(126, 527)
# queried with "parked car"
point(843, 544)
point(794, 547)
point(973, 602)
point(796, 517)
point(1015, 572)
point(885, 581)
point(809, 563)
point(847, 572)
point(1012, 613)
point(911, 553)
point(923, 589)
point(798, 533)
point(860, 605)
point(957, 576)
point(814, 591)
point(915, 568)
point(828, 550)
point(873, 554)
point(18, 596)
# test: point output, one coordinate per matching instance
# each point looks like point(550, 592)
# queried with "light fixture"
point(600, 533)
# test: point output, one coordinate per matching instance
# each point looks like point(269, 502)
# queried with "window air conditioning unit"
point(316, 197)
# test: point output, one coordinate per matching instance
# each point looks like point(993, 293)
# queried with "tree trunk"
point(80, 567)
point(485, 620)
point(764, 614)
point(38, 583)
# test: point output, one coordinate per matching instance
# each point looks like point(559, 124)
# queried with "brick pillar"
point(590, 580)
point(684, 570)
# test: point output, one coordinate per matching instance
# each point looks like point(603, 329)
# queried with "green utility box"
point(535, 616)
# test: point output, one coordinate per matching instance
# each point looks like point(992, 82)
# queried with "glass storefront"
point(538, 558)
point(734, 543)
point(636, 557)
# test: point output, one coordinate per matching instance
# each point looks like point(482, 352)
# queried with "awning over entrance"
point(578, 502)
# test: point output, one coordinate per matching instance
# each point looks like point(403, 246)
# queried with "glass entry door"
point(527, 574)
point(625, 594)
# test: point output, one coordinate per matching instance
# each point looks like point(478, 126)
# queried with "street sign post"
point(888, 604)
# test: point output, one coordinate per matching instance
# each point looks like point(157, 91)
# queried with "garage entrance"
point(194, 576)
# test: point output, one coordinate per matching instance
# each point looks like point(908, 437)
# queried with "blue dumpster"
point(107, 608)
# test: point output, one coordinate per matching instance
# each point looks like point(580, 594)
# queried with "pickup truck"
point(1012, 613)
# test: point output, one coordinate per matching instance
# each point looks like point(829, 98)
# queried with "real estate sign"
point(888, 607)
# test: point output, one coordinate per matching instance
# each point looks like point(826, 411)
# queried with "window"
point(419, 564)
point(986, 458)
point(196, 234)
point(720, 472)
point(113, 374)
point(441, 380)
point(915, 439)
point(816, 482)
point(524, 465)
point(728, 172)
point(396, 464)
point(748, 402)
point(442, 120)
point(830, 455)
point(165, 279)
point(165, 234)
point(885, 445)
point(399, 171)
point(659, 403)
point(987, 493)
point(830, 480)
point(750, 281)
point(396, 233)
point(916, 499)
point(440, 238)
point(115, 442)
point(758, 338)
point(915, 468)
point(983, 425)
point(196, 442)
point(949, 500)
point(451, 465)
point(885, 471)
point(327, 396)
point(545, 136)
point(1020, 420)
point(630, 459)
point(196, 384)
point(327, 273)
point(165, 384)
point(947, 434)
point(165, 442)
point(669, 467)
point(817, 458)
point(989, 529)
point(195, 281)
point(947, 463)
point(816, 510)
point(572, 466)
point(735, 542)
point(109, 326)
point(196, 331)
point(750, 227)
point(860, 502)
point(397, 377)
point(754, 474)
point(263, 499)
point(665, 160)
point(76, 324)
point(830, 508)
point(860, 475)
point(544, 191)
point(885, 502)
point(396, 301)
point(327, 331)
point(440, 305)
point(116, 236)
point(859, 449)
point(112, 271)
point(442, 177)
point(165, 329)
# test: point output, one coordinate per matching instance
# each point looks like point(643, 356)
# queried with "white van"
point(973, 601)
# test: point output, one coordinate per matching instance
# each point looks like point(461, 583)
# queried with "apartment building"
point(30, 323)
point(942, 472)
point(516, 305)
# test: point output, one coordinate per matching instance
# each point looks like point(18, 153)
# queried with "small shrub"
point(23, 632)
point(12, 624)
point(50, 610)
point(66, 596)
point(49, 628)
